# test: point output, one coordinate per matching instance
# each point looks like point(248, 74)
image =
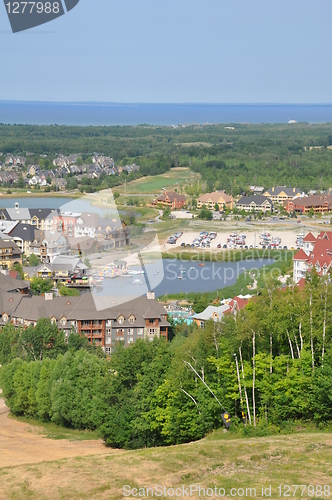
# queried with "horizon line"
point(187, 103)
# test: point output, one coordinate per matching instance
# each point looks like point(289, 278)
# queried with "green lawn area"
point(176, 178)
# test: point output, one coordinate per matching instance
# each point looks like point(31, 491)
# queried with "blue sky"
point(225, 51)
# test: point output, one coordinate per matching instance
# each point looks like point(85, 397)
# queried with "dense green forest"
point(229, 159)
point(158, 393)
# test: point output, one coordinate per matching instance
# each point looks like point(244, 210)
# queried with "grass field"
point(176, 178)
point(239, 466)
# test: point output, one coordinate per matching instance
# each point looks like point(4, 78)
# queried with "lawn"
point(176, 178)
point(241, 467)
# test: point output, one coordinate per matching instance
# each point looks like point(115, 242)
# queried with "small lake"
point(65, 203)
point(35, 202)
point(175, 276)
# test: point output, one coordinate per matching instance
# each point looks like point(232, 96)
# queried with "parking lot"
point(237, 241)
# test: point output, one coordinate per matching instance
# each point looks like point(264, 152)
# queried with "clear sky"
point(221, 51)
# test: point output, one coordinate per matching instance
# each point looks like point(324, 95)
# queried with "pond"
point(175, 276)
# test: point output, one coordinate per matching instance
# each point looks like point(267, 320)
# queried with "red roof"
point(309, 238)
point(322, 252)
point(238, 302)
point(301, 283)
point(300, 255)
point(325, 235)
point(13, 274)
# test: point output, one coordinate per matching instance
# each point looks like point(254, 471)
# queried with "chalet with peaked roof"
point(170, 199)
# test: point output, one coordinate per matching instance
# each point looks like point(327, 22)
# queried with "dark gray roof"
point(9, 284)
point(289, 191)
point(41, 213)
point(83, 308)
point(4, 214)
point(258, 200)
point(26, 232)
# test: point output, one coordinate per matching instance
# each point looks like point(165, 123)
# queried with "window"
point(108, 350)
point(108, 340)
point(130, 340)
point(120, 332)
point(139, 331)
point(108, 331)
point(131, 320)
point(120, 320)
point(130, 331)
point(109, 322)
point(151, 331)
point(63, 321)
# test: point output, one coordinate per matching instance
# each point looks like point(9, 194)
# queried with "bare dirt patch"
point(21, 443)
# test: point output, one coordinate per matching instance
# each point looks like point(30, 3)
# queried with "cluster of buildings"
point(48, 233)
point(14, 168)
point(291, 199)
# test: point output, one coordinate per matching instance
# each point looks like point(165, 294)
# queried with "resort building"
point(280, 194)
point(316, 203)
point(209, 200)
point(170, 199)
point(255, 204)
point(141, 318)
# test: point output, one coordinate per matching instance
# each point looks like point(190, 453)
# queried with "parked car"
point(219, 245)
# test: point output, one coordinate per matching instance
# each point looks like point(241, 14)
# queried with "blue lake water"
point(34, 202)
point(48, 113)
point(194, 278)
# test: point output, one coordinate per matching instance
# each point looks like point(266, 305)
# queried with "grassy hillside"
point(219, 460)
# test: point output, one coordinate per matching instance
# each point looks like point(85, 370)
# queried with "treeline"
point(232, 160)
point(271, 362)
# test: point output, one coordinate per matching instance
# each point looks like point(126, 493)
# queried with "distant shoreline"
point(162, 114)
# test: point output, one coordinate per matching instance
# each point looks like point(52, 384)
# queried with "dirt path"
point(21, 444)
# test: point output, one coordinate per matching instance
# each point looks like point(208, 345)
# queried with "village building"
point(316, 255)
point(42, 218)
point(281, 194)
point(10, 254)
point(316, 203)
point(220, 198)
point(170, 199)
point(140, 318)
point(216, 313)
point(255, 204)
